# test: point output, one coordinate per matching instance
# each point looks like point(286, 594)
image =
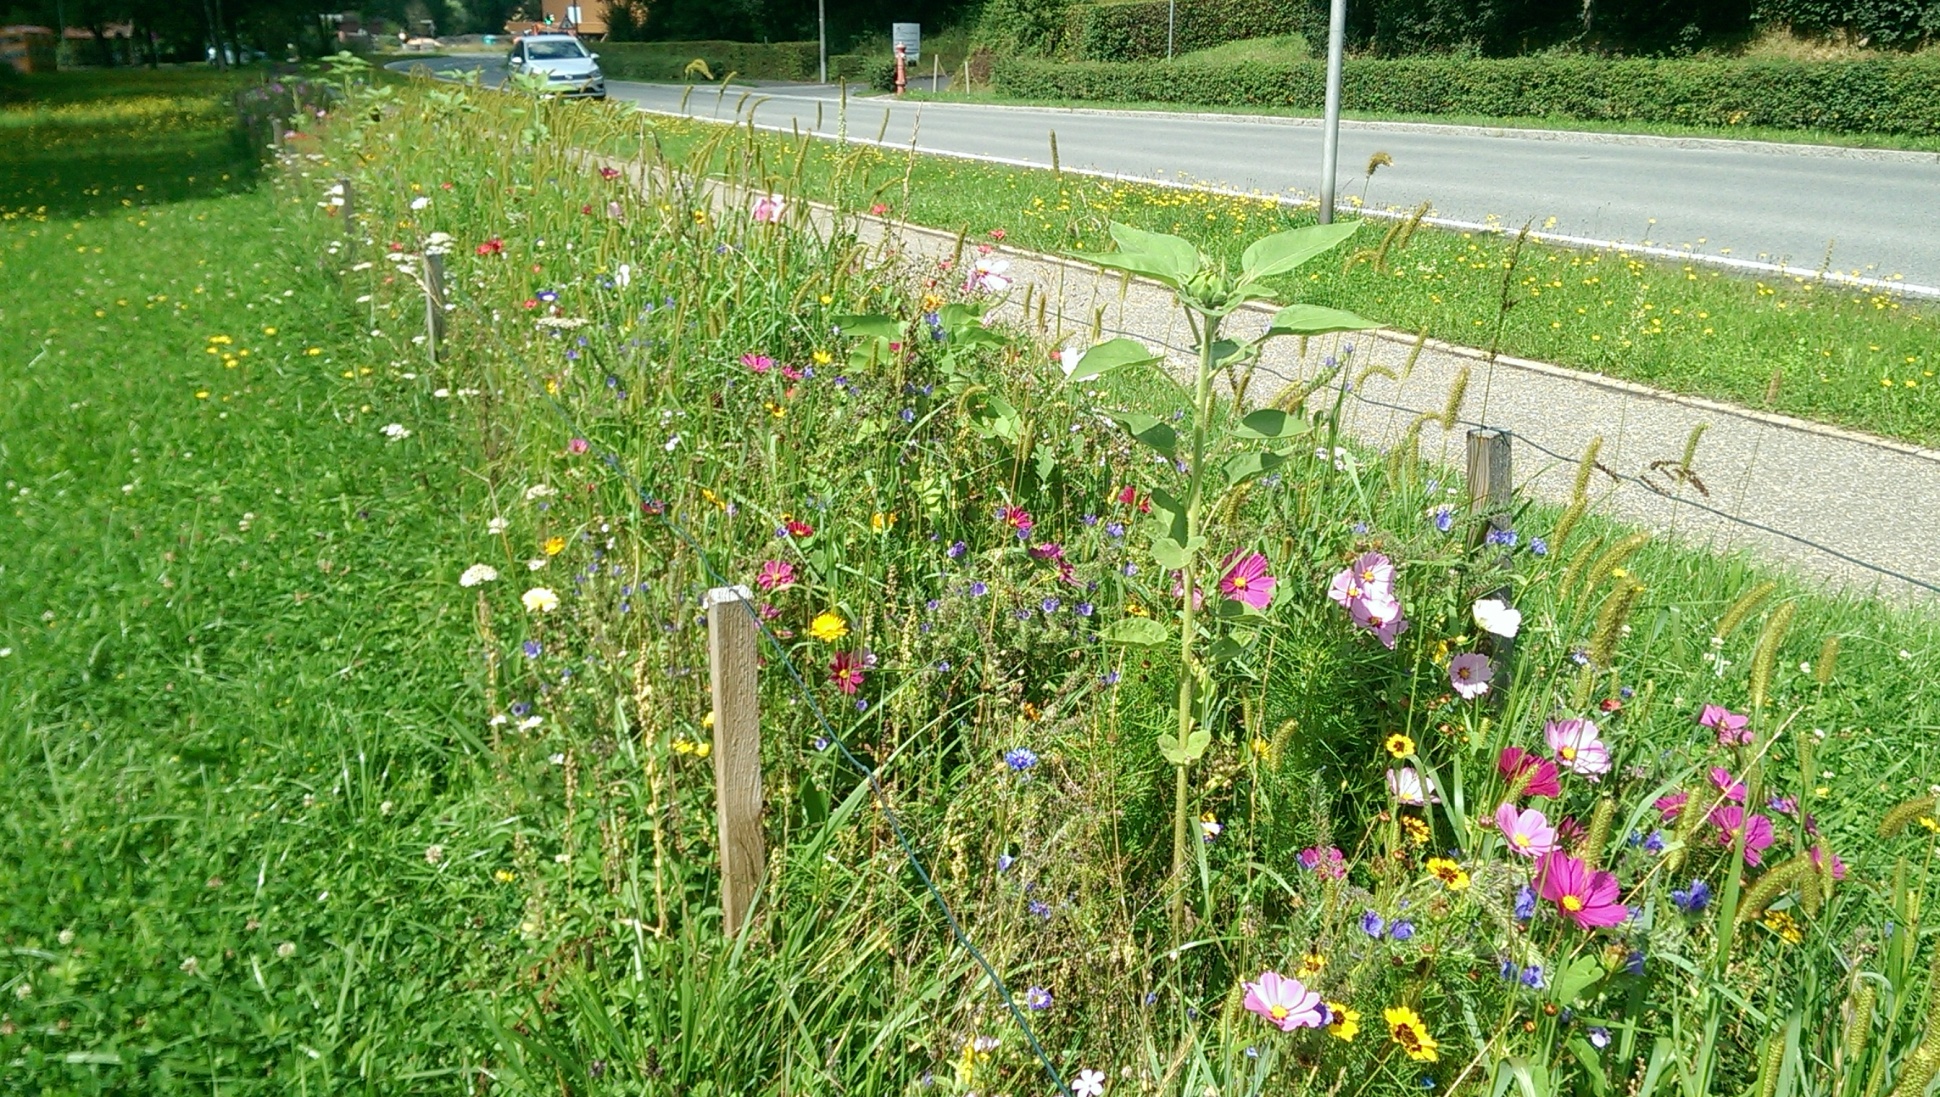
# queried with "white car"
point(562, 59)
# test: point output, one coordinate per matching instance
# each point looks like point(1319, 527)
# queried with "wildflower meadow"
point(1116, 735)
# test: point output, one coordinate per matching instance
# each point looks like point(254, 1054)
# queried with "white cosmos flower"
point(989, 275)
point(476, 574)
point(1491, 615)
point(497, 526)
point(623, 277)
point(540, 600)
point(420, 202)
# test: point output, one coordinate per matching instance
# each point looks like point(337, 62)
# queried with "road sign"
point(909, 36)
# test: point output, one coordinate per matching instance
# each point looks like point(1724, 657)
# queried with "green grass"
point(1906, 142)
point(244, 697)
point(1853, 358)
point(1286, 47)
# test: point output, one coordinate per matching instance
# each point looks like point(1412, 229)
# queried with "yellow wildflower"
point(828, 627)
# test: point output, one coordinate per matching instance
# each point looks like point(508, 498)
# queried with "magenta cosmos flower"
point(1285, 1002)
point(845, 670)
point(1469, 673)
point(1246, 580)
point(1527, 832)
point(1542, 779)
point(1732, 788)
point(1577, 747)
point(775, 573)
point(1733, 730)
point(1731, 818)
point(760, 363)
point(769, 207)
point(1587, 898)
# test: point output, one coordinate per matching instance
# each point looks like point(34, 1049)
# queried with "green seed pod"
point(1744, 607)
point(1764, 657)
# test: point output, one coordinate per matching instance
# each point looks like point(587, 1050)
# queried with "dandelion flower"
point(555, 545)
point(1405, 1028)
point(476, 574)
point(540, 600)
point(828, 627)
point(1285, 1002)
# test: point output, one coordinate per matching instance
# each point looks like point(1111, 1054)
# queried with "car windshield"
point(554, 51)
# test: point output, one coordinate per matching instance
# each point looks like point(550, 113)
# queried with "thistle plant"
point(1214, 463)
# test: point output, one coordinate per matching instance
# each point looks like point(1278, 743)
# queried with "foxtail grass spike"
point(1576, 565)
point(1690, 450)
point(1613, 558)
point(1772, 885)
point(1771, 1065)
point(1828, 659)
point(1579, 490)
point(1456, 394)
point(1277, 750)
point(1920, 807)
point(1744, 607)
point(1610, 621)
point(1859, 1028)
point(1764, 659)
point(1566, 524)
point(1414, 355)
point(1600, 820)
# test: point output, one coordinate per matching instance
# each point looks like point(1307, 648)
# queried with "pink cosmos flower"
point(1587, 898)
point(1382, 618)
point(989, 276)
point(1285, 1002)
point(1542, 781)
point(1411, 788)
point(760, 363)
point(1730, 819)
point(1733, 730)
point(1329, 862)
point(775, 573)
point(1246, 580)
point(1527, 832)
point(577, 446)
point(1369, 577)
point(1819, 854)
point(1018, 519)
point(1733, 789)
point(845, 670)
point(769, 207)
point(1671, 806)
point(1469, 673)
point(1577, 747)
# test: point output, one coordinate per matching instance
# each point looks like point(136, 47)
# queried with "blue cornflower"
point(933, 605)
point(1109, 678)
point(1507, 538)
point(1049, 605)
point(1040, 908)
point(1022, 613)
point(547, 296)
point(1692, 899)
point(979, 588)
point(1037, 998)
point(533, 649)
point(1373, 925)
point(1444, 518)
point(862, 704)
point(1655, 842)
point(1525, 903)
point(1115, 530)
point(1004, 861)
point(1360, 529)
point(1633, 964)
point(1020, 758)
point(1090, 519)
point(1129, 568)
point(520, 708)
point(1506, 968)
point(907, 415)
point(1538, 546)
point(1083, 609)
point(956, 549)
point(1532, 977)
point(821, 742)
point(1599, 1037)
point(1401, 930)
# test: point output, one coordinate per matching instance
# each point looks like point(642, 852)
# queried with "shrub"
point(1136, 29)
point(1030, 28)
point(669, 60)
point(1890, 95)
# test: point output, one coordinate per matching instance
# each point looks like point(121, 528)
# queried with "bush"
point(669, 60)
point(1136, 29)
point(1893, 95)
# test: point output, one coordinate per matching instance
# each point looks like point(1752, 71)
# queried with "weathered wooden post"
point(434, 300)
point(731, 639)
point(1491, 496)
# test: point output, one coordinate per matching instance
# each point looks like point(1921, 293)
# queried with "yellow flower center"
point(1572, 904)
point(1239, 582)
point(1568, 754)
point(1521, 840)
point(1279, 1013)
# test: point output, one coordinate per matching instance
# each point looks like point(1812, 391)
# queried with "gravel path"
point(1825, 502)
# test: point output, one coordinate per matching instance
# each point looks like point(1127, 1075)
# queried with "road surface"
point(1799, 206)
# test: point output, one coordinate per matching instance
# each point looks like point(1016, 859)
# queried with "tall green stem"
point(1202, 410)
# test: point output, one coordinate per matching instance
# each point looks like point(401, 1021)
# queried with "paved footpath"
point(1831, 501)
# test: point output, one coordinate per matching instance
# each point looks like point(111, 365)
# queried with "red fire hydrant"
point(902, 67)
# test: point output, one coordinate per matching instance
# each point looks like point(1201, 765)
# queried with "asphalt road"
point(1875, 215)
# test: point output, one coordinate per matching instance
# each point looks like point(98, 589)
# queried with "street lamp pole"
point(1171, 20)
point(1330, 127)
point(822, 21)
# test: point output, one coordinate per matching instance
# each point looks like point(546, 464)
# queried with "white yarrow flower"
point(497, 526)
point(1491, 615)
point(540, 600)
point(476, 574)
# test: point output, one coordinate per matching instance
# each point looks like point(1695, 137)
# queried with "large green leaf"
point(1197, 740)
point(1149, 430)
point(1316, 320)
point(1272, 424)
point(1170, 259)
point(1287, 251)
point(875, 324)
point(1244, 466)
point(1171, 554)
point(1568, 985)
point(1107, 356)
point(1136, 632)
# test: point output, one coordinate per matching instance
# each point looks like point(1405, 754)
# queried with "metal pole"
point(1330, 127)
point(822, 21)
point(1171, 20)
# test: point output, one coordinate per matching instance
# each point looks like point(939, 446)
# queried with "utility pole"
point(1171, 21)
point(822, 21)
point(1330, 127)
point(60, 39)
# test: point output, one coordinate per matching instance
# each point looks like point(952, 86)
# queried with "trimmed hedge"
point(1135, 30)
point(669, 60)
point(1888, 95)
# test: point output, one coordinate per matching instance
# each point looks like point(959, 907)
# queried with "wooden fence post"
point(731, 639)
point(1491, 496)
point(434, 301)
